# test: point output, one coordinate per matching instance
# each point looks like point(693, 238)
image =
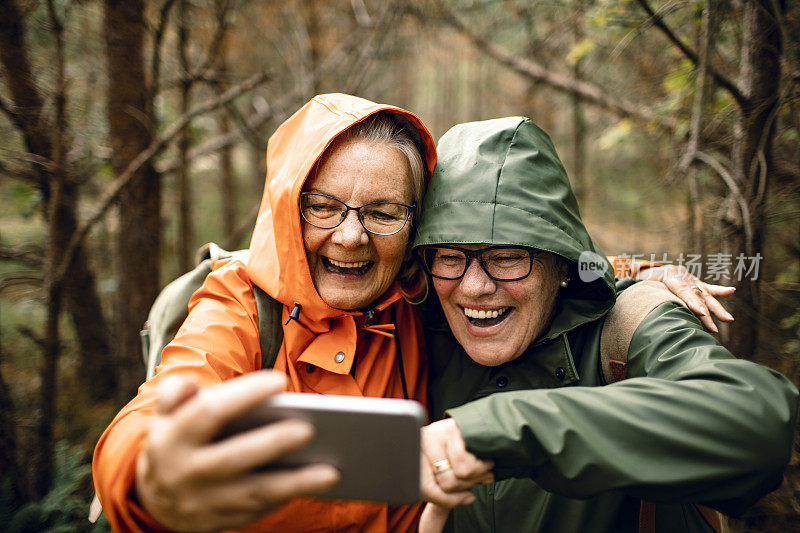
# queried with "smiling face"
point(350, 267)
point(495, 321)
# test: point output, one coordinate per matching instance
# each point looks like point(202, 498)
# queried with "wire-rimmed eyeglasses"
point(501, 263)
point(379, 218)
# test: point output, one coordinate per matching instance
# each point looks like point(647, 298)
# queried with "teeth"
point(483, 313)
point(341, 264)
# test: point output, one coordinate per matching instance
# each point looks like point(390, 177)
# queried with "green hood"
point(501, 182)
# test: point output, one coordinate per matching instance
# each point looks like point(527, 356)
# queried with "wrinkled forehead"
point(369, 167)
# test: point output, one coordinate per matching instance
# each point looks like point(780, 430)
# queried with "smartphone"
point(373, 442)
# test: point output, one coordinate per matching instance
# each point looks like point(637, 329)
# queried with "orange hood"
point(279, 265)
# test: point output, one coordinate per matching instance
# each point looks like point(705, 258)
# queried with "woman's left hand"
point(700, 297)
point(448, 472)
point(448, 469)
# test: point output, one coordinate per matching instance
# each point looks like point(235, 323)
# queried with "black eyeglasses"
point(501, 263)
point(380, 218)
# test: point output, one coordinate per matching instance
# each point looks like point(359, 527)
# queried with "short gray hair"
point(398, 132)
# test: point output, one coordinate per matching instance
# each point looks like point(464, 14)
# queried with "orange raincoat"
point(219, 339)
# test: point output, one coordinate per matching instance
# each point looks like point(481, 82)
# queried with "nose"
point(350, 233)
point(475, 281)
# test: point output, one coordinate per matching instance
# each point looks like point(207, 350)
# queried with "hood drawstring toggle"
point(294, 314)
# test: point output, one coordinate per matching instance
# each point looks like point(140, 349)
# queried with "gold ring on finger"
point(442, 465)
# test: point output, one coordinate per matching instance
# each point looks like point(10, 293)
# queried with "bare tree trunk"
point(227, 181)
point(310, 16)
point(185, 242)
point(695, 201)
point(688, 164)
point(578, 132)
point(97, 370)
point(226, 170)
point(9, 462)
point(754, 130)
point(258, 171)
point(44, 456)
point(131, 132)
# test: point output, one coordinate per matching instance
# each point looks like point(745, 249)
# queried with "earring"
point(564, 283)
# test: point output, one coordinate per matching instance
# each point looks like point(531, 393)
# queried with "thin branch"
point(217, 40)
point(720, 78)
point(699, 96)
point(365, 60)
point(209, 77)
point(32, 335)
point(244, 225)
point(762, 143)
point(158, 37)
point(61, 90)
point(21, 83)
point(585, 91)
point(686, 165)
point(13, 117)
point(22, 255)
point(118, 185)
point(33, 159)
point(247, 132)
point(331, 63)
point(23, 173)
point(9, 282)
point(361, 13)
point(726, 177)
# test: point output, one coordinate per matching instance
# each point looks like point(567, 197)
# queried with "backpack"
point(632, 305)
point(171, 307)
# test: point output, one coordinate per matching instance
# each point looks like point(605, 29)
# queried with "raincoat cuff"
point(471, 421)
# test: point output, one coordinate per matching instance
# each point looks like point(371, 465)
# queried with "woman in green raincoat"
point(516, 377)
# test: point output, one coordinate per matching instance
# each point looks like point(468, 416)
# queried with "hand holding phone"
point(188, 482)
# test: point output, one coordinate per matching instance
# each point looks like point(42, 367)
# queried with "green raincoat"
point(691, 424)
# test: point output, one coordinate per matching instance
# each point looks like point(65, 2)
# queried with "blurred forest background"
point(133, 131)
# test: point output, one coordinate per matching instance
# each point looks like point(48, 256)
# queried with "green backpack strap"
point(168, 312)
point(270, 331)
point(170, 309)
point(632, 305)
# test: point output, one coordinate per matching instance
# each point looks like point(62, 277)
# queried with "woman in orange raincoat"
point(156, 466)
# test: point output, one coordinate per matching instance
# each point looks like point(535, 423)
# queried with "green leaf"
point(579, 51)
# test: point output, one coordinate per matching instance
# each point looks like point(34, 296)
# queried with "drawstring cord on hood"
point(379, 329)
point(387, 330)
point(399, 356)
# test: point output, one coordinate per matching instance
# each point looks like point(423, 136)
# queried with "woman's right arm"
point(160, 448)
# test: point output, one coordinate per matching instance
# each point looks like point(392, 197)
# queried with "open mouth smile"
point(486, 317)
point(355, 268)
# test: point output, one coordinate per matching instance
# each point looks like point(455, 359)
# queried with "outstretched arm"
point(188, 481)
point(695, 423)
